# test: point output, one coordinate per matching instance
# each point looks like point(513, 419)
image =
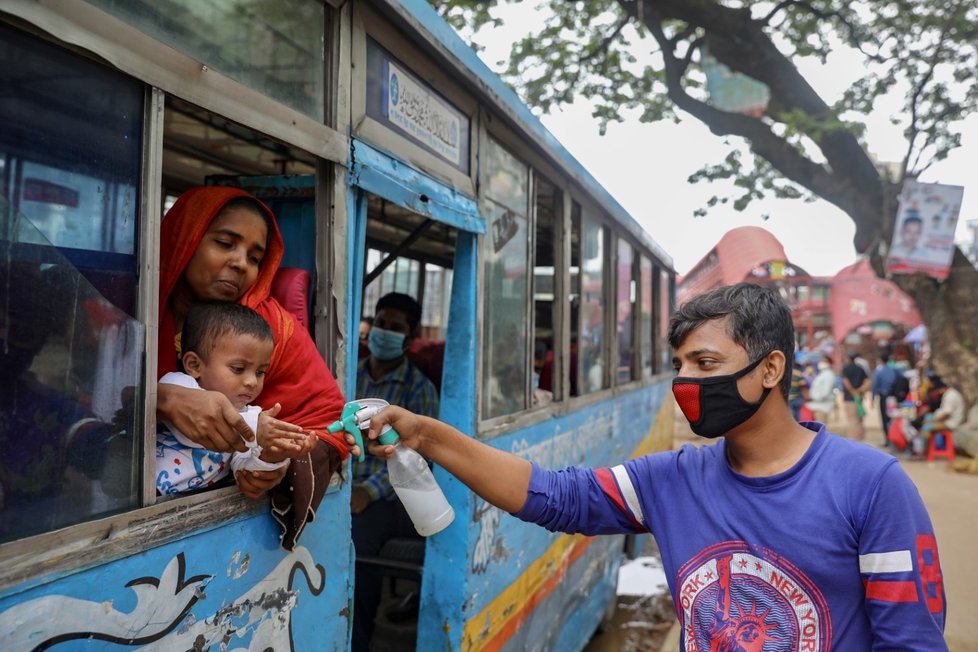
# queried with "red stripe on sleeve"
point(891, 591)
point(610, 488)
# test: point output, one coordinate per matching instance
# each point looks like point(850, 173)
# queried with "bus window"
point(625, 312)
point(593, 366)
point(548, 201)
point(645, 321)
point(665, 311)
point(506, 341)
point(70, 353)
point(432, 248)
point(436, 300)
point(276, 48)
point(574, 299)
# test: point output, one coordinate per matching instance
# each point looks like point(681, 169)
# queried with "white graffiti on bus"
point(162, 618)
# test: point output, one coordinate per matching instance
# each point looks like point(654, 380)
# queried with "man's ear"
point(774, 368)
point(192, 364)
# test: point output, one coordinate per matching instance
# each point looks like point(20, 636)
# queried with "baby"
point(227, 348)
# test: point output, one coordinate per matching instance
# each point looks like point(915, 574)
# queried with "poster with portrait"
point(923, 235)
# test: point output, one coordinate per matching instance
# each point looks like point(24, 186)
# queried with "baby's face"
point(236, 367)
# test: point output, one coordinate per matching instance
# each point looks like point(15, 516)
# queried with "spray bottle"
point(408, 470)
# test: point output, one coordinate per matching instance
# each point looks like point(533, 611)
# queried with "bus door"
point(413, 235)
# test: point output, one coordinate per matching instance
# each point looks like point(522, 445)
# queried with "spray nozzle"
point(356, 416)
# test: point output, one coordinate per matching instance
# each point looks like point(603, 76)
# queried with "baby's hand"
point(280, 439)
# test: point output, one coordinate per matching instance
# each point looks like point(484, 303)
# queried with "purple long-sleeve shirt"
point(836, 553)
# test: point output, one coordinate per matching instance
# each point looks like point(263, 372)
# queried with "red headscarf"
point(297, 377)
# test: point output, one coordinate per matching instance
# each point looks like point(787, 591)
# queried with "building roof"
point(860, 297)
point(741, 254)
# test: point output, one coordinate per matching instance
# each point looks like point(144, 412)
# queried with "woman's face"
point(228, 258)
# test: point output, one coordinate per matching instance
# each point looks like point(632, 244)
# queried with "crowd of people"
point(913, 403)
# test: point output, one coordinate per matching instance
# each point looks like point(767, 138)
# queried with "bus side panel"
point(522, 577)
point(231, 587)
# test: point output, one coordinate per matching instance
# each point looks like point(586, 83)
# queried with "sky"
point(646, 166)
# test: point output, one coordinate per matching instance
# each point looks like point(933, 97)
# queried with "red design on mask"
point(688, 397)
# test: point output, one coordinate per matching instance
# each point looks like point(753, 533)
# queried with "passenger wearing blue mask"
point(378, 515)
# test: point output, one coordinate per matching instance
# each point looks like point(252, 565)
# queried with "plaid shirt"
point(406, 387)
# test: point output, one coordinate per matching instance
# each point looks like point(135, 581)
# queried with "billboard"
point(923, 240)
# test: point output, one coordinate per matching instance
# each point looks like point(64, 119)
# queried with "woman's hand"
point(255, 483)
point(206, 418)
point(279, 439)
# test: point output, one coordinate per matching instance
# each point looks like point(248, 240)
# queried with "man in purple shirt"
point(779, 537)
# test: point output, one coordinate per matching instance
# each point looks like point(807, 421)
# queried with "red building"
point(853, 309)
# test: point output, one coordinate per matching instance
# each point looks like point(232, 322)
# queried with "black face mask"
point(713, 405)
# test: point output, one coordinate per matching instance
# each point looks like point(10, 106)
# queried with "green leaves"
point(919, 55)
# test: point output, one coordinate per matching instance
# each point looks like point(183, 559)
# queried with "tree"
point(799, 145)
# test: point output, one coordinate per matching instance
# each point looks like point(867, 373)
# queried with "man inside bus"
point(776, 512)
point(378, 515)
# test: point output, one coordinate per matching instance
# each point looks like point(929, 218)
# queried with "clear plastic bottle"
point(416, 487)
point(408, 471)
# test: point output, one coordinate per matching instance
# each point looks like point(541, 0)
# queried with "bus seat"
point(401, 557)
point(290, 287)
point(429, 357)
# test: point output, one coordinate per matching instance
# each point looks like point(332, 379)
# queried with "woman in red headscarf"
point(220, 243)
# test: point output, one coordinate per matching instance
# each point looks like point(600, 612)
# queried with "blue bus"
point(394, 160)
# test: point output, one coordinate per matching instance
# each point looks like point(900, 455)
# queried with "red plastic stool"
point(948, 450)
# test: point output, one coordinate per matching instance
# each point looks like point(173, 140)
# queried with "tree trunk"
point(950, 313)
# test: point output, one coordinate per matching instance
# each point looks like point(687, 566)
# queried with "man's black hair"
point(403, 303)
point(208, 321)
point(757, 319)
point(912, 218)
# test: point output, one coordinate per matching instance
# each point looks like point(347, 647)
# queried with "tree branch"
point(913, 130)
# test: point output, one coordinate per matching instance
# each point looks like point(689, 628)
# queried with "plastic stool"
point(948, 450)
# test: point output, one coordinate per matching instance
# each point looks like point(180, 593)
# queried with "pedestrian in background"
point(798, 393)
point(884, 380)
point(822, 391)
point(855, 383)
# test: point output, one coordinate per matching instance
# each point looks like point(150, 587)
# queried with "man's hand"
point(255, 483)
point(206, 418)
point(279, 439)
point(359, 500)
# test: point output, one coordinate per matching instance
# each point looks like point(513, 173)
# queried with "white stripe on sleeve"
point(898, 561)
point(628, 492)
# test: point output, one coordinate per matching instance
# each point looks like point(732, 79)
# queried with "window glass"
point(544, 270)
point(71, 152)
point(593, 239)
point(506, 338)
point(645, 327)
point(70, 365)
point(437, 299)
point(665, 311)
point(277, 47)
point(70, 355)
point(625, 311)
point(575, 299)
